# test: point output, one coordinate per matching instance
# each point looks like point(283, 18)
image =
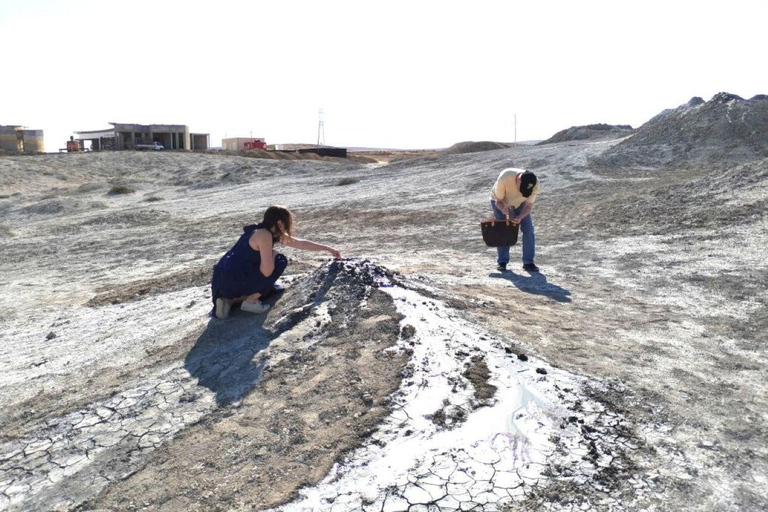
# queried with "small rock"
point(51, 335)
point(541, 371)
point(522, 357)
point(508, 350)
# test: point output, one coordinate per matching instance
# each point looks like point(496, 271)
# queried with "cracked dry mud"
point(412, 376)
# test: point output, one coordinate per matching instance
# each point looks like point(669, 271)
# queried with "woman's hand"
point(336, 254)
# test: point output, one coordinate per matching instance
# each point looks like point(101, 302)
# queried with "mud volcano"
point(353, 390)
point(726, 129)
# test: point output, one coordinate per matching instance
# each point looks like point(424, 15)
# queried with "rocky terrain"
point(411, 375)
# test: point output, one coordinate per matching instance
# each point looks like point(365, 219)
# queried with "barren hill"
point(474, 147)
point(627, 375)
point(592, 132)
point(725, 129)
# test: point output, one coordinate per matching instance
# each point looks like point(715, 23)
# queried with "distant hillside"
point(725, 128)
point(474, 147)
point(590, 132)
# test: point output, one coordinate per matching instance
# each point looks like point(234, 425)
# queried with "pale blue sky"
point(404, 74)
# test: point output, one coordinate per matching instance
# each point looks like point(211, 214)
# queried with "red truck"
point(256, 144)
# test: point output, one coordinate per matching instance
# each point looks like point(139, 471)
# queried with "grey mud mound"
point(593, 132)
point(726, 128)
point(473, 147)
point(260, 406)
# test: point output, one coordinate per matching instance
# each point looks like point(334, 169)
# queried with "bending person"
point(513, 194)
point(248, 272)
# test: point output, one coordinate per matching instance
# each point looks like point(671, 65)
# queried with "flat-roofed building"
point(128, 136)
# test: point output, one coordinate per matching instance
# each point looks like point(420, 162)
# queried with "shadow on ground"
point(222, 358)
point(535, 283)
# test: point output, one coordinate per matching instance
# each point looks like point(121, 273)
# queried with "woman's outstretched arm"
point(308, 245)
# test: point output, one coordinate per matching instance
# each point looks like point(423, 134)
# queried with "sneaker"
point(502, 267)
point(276, 288)
point(257, 307)
point(222, 307)
point(530, 267)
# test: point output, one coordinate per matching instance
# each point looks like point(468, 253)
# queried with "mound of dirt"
point(294, 393)
point(727, 127)
point(473, 147)
point(590, 132)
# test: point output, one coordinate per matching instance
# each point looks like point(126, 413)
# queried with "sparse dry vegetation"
point(347, 181)
point(120, 190)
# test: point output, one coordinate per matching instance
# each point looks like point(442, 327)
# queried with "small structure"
point(326, 151)
point(128, 136)
point(243, 143)
point(15, 139)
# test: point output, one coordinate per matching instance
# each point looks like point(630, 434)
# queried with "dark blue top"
point(238, 273)
point(241, 258)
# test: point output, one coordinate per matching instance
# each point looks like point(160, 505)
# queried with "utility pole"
point(321, 130)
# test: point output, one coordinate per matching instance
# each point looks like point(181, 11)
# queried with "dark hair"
point(278, 213)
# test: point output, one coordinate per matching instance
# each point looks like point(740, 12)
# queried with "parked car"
point(156, 146)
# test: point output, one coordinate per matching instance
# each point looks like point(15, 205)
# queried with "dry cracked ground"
point(628, 375)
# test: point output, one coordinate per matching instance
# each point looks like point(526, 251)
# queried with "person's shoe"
point(530, 267)
point(257, 307)
point(502, 267)
point(275, 288)
point(222, 308)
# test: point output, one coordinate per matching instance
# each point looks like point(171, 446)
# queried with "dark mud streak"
point(138, 290)
point(478, 374)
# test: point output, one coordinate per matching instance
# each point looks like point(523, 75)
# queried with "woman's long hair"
point(274, 214)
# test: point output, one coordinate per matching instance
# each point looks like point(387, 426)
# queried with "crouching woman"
point(248, 272)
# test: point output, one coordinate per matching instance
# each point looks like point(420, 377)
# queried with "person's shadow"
point(222, 358)
point(535, 283)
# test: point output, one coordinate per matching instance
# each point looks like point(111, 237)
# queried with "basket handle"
point(493, 222)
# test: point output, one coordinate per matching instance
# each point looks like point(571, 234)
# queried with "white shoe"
point(254, 307)
point(222, 307)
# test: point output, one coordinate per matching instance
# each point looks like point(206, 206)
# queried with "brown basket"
point(499, 233)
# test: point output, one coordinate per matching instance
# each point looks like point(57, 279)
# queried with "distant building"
point(127, 136)
point(238, 143)
point(15, 139)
